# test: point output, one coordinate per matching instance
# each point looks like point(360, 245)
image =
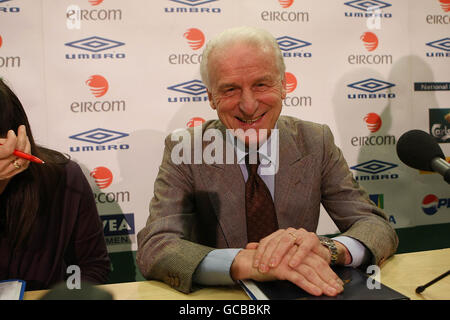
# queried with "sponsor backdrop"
point(106, 80)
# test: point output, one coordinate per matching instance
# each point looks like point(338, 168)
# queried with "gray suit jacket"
point(199, 207)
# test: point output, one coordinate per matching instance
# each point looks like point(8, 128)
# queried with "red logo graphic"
point(95, 2)
point(195, 122)
point(286, 3)
point(370, 40)
point(1, 41)
point(99, 85)
point(291, 82)
point(430, 204)
point(195, 38)
point(103, 177)
point(373, 122)
point(445, 4)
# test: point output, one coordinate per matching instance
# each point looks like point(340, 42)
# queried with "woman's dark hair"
point(33, 192)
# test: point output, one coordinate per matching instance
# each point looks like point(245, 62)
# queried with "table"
point(402, 272)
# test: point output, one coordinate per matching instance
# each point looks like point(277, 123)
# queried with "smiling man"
point(215, 223)
point(247, 85)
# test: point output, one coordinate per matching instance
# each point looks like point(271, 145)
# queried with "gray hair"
point(255, 36)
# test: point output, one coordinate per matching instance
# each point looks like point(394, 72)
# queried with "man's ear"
point(211, 100)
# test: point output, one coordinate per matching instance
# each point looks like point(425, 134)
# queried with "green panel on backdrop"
point(124, 267)
point(420, 238)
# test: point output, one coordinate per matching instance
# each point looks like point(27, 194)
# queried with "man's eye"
point(261, 86)
point(229, 91)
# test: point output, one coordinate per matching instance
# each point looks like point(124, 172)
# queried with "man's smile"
point(250, 121)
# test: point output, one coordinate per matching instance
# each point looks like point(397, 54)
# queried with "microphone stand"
point(420, 289)
point(441, 166)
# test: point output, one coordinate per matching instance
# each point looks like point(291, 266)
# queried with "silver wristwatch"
point(327, 242)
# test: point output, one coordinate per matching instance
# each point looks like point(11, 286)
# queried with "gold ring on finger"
point(16, 164)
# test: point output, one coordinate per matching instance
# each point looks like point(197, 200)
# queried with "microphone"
point(419, 150)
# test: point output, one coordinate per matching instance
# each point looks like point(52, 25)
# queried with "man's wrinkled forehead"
point(219, 55)
point(231, 46)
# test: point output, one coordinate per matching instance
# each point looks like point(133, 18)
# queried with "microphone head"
point(417, 149)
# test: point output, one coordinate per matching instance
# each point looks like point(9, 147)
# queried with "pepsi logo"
point(373, 122)
point(291, 82)
point(95, 2)
point(445, 4)
point(98, 85)
point(286, 3)
point(195, 121)
point(370, 41)
point(430, 204)
point(195, 38)
point(103, 177)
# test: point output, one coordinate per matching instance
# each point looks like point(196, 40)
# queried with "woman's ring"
point(16, 164)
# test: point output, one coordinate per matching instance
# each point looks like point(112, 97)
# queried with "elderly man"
point(215, 223)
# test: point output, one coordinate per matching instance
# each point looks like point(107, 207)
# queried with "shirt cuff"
point(215, 268)
point(358, 252)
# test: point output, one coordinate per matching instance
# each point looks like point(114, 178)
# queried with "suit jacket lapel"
point(226, 190)
point(293, 167)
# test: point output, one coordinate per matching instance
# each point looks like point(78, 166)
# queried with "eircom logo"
point(95, 2)
point(373, 122)
point(370, 40)
point(286, 3)
point(292, 99)
point(431, 204)
point(103, 177)
point(98, 85)
point(291, 82)
point(195, 121)
point(195, 38)
point(445, 4)
point(8, 61)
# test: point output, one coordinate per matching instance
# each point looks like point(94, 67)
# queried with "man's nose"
point(248, 103)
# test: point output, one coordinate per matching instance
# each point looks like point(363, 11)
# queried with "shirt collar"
point(264, 150)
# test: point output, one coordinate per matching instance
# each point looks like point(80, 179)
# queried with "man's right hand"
point(313, 275)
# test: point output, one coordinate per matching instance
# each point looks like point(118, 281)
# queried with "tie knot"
point(252, 167)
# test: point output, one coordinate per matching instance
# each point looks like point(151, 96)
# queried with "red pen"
point(26, 156)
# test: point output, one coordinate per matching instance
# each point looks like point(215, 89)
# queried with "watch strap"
point(327, 242)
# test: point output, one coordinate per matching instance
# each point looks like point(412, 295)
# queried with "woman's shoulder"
point(75, 178)
point(72, 167)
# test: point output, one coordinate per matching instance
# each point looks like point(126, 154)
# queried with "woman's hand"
point(10, 165)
